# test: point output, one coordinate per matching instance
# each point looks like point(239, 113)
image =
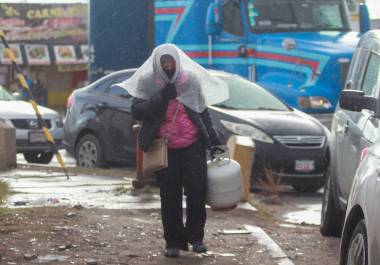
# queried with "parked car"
point(361, 234)
point(355, 127)
point(30, 140)
point(98, 129)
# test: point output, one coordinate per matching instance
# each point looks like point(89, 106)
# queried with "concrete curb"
point(274, 250)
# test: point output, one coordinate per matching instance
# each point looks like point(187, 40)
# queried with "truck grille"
point(25, 124)
point(302, 141)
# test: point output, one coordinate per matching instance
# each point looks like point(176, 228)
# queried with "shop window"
point(232, 20)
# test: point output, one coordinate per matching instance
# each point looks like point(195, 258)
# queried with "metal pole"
point(138, 182)
point(41, 122)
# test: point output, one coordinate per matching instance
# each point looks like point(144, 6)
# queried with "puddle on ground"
point(310, 215)
point(35, 188)
point(51, 258)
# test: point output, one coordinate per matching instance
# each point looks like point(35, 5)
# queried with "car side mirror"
point(214, 19)
point(365, 21)
point(355, 100)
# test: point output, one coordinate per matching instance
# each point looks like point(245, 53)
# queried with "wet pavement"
point(44, 187)
point(32, 188)
point(297, 208)
point(303, 208)
point(39, 188)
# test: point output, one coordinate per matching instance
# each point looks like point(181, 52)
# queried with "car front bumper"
point(24, 146)
point(278, 161)
point(23, 143)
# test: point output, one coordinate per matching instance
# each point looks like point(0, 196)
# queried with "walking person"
point(171, 94)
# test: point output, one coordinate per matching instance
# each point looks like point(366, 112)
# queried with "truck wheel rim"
point(356, 252)
point(88, 154)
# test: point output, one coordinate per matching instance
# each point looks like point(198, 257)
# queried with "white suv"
point(30, 140)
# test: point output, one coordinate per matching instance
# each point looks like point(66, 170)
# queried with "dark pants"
point(187, 171)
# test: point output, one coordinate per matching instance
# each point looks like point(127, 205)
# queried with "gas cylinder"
point(224, 187)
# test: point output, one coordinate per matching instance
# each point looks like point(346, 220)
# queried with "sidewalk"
point(70, 231)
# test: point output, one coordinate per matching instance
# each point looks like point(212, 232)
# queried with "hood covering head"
point(196, 87)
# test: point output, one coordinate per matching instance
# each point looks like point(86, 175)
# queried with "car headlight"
point(316, 102)
point(247, 130)
point(58, 122)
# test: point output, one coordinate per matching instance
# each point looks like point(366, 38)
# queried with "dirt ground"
point(58, 235)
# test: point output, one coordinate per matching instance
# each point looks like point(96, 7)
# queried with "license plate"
point(37, 137)
point(305, 165)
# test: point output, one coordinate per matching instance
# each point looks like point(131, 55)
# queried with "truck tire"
point(332, 216)
point(39, 157)
point(89, 152)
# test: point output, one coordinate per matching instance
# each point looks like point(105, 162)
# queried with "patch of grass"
point(4, 210)
point(270, 184)
point(261, 210)
point(148, 189)
point(122, 190)
point(4, 191)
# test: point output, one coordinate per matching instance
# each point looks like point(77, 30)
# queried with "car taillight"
point(363, 153)
point(70, 101)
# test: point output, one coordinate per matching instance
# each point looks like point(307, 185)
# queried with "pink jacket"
point(182, 132)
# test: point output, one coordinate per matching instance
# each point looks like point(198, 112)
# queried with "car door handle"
point(378, 173)
point(102, 105)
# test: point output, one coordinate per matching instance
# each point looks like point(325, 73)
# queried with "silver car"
point(30, 140)
point(361, 234)
point(355, 127)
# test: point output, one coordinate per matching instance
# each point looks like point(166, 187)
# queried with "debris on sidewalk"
point(215, 254)
point(234, 231)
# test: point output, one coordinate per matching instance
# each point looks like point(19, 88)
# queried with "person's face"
point(168, 64)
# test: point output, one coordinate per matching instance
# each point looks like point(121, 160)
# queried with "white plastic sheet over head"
point(196, 87)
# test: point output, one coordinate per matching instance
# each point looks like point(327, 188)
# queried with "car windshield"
point(297, 15)
point(4, 94)
point(245, 95)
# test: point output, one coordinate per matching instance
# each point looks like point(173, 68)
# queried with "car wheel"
point(88, 152)
point(331, 215)
point(308, 186)
point(357, 253)
point(39, 157)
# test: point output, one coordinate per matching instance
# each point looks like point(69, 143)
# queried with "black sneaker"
point(184, 247)
point(199, 247)
point(171, 252)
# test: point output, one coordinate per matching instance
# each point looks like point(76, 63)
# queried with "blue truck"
point(299, 50)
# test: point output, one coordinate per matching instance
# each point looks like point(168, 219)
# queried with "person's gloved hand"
point(169, 92)
point(216, 150)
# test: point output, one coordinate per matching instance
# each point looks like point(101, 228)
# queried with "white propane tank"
point(224, 187)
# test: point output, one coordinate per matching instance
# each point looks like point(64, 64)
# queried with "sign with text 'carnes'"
point(45, 23)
